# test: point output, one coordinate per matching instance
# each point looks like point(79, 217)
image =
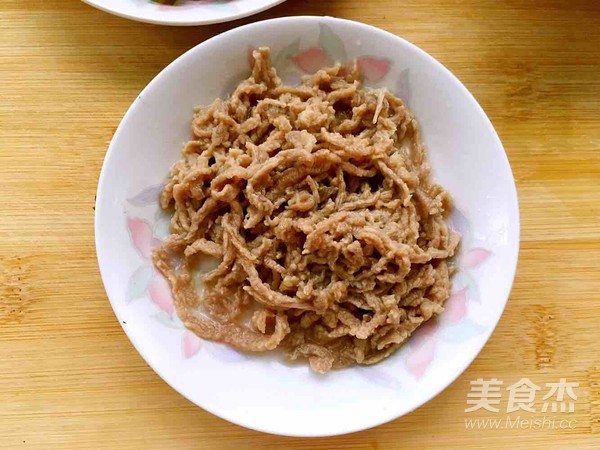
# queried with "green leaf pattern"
point(138, 282)
point(332, 44)
point(282, 60)
point(166, 320)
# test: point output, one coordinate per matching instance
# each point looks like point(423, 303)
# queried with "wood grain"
point(70, 379)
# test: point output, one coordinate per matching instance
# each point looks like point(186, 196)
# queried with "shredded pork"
point(317, 202)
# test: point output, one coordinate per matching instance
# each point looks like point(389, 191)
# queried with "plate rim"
point(98, 4)
point(514, 246)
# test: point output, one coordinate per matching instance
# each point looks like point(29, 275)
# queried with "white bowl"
point(262, 392)
point(186, 12)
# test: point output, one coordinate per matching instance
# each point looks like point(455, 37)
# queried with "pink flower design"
point(160, 294)
point(421, 348)
point(141, 235)
point(373, 69)
point(419, 358)
point(191, 344)
point(474, 257)
point(456, 306)
point(425, 332)
point(311, 60)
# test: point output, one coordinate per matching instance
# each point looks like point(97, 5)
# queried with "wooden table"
point(70, 379)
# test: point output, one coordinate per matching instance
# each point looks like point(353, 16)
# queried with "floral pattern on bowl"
point(295, 60)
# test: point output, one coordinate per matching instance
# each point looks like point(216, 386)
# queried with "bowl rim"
point(99, 4)
point(513, 246)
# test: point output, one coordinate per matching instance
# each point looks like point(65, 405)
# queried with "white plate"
point(261, 392)
point(186, 12)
